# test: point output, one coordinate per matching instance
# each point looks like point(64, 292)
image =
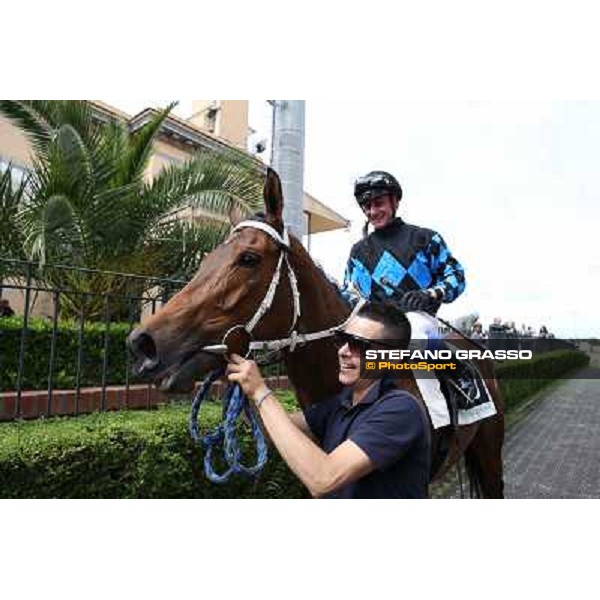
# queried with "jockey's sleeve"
point(357, 281)
point(345, 290)
point(447, 273)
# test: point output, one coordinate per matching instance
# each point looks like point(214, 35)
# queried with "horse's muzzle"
point(171, 370)
point(144, 350)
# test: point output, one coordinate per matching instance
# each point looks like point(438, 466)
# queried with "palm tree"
point(86, 203)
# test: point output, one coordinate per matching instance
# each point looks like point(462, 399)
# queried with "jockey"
point(410, 265)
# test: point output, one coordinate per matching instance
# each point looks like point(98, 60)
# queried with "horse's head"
point(221, 299)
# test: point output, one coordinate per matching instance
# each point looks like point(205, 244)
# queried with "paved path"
point(555, 451)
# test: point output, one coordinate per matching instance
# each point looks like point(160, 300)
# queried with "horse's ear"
point(273, 196)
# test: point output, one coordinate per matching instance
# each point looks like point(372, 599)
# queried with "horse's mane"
point(333, 284)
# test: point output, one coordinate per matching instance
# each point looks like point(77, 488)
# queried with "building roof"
point(186, 133)
point(322, 218)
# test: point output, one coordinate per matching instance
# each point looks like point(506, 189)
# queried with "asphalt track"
point(554, 452)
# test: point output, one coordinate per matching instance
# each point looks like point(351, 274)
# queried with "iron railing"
point(47, 299)
point(538, 345)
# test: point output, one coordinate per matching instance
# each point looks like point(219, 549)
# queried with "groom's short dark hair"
point(396, 325)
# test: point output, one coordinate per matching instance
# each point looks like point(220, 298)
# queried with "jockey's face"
point(380, 211)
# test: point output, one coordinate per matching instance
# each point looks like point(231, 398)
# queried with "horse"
point(239, 283)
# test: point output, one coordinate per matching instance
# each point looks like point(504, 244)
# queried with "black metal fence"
point(538, 345)
point(59, 307)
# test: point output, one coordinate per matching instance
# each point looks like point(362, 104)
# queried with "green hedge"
point(148, 454)
point(37, 353)
point(134, 454)
point(519, 379)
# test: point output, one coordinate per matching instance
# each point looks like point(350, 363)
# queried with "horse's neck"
point(313, 369)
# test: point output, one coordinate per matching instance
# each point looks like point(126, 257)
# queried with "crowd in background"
point(508, 329)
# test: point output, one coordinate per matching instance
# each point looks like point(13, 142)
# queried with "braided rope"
point(224, 435)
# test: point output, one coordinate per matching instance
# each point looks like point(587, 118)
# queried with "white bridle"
point(295, 338)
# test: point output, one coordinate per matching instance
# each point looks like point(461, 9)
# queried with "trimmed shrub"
point(133, 454)
point(37, 353)
point(520, 379)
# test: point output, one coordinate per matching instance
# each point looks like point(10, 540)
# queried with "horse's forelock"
point(264, 218)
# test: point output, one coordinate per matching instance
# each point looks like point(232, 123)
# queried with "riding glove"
point(417, 300)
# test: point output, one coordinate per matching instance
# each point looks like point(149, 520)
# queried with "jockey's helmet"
point(376, 184)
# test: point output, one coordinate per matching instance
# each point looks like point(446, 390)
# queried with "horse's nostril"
point(146, 346)
point(143, 346)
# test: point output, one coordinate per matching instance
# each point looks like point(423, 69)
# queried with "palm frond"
point(179, 246)
point(76, 113)
point(140, 145)
point(73, 162)
point(210, 182)
point(12, 196)
point(29, 121)
point(53, 232)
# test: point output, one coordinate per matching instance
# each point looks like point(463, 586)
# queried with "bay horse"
point(229, 291)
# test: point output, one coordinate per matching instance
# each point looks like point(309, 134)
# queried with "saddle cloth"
point(468, 394)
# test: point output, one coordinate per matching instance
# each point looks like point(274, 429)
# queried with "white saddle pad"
point(426, 327)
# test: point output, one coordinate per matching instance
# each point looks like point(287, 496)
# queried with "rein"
point(236, 403)
point(225, 434)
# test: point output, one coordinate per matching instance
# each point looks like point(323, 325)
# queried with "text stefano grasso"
point(378, 354)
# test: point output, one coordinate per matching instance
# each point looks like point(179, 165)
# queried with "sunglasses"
point(356, 343)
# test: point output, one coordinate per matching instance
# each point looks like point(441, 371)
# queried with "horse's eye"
point(248, 259)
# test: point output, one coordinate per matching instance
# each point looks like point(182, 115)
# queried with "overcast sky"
point(512, 188)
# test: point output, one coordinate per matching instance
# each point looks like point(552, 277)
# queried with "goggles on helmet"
point(374, 185)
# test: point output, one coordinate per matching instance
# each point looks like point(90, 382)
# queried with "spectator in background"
point(543, 332)
point(477, 332)
point(497, 329)
point(6, 309)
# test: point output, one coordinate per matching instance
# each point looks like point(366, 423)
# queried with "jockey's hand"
point(417, 300)
point(246, 373)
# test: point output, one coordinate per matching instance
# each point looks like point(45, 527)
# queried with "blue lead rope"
point(225, 434)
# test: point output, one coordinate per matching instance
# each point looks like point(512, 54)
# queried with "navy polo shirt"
point(390, 427)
